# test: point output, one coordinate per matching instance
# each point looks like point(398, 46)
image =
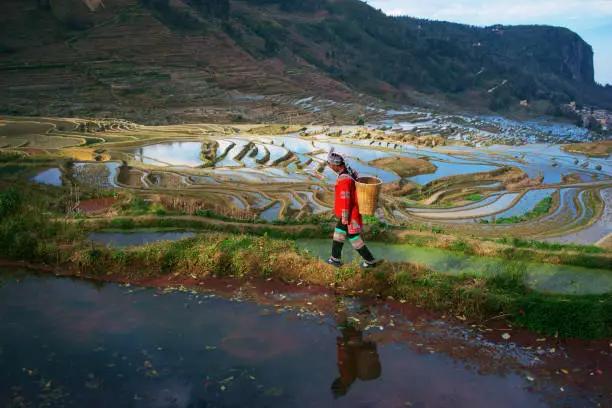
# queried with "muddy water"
point(271, 213)
point(544, 277)
point(445, 169)
point(50, 176)
point(68, 343)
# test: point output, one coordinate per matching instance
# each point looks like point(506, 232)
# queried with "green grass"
point(550, 246)
point(541, 208)
point(138, 206)
point(25, 230)
point(474, 197)
point(585, 316)
point(9, 156)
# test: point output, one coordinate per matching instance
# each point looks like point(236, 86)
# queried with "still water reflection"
point(68, 343)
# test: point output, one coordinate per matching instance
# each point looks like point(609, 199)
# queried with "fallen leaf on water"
point(564, 371)
point(505, 336)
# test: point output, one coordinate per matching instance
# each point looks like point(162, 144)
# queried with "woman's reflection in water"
point(357, 358)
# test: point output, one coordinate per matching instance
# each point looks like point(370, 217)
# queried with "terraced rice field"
point(284, 176)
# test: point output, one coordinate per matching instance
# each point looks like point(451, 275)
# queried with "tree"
point(594, 125)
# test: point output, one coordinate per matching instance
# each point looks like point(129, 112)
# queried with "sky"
point(591, 19)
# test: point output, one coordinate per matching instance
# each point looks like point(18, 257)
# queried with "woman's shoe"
point(366, 264)
point(335, 263)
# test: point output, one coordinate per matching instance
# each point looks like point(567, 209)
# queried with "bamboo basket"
point(368, 190)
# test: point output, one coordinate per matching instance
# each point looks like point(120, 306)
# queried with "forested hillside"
point(174, 55)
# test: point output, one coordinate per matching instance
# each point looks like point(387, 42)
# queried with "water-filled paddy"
point(246, 160)
point(70, 343)
point(526, 203)
point(172, 153)
point(600, 229)
point(445, 169)
point(493, 207)
point(101, 175)
point(272, 212)
point(52, 177)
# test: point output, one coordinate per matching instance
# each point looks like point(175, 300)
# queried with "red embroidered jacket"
point(346, 205)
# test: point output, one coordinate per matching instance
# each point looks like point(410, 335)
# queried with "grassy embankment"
point(140, 214)
point(27, 234)
point(602, 148)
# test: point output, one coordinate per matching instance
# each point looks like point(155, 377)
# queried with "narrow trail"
point(202, 220)
point(441, 241)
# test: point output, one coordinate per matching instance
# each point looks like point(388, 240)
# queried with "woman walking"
point(346, 208)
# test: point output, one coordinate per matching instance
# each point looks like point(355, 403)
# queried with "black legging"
point(340, 235)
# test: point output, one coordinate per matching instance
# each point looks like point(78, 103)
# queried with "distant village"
point(594, 119)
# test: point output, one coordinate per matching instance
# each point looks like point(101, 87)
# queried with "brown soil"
point(398, 188)
point(517, 180)
point(571, 178)
point(32, 150)
point(97, 205)
point(405, 166)
point(84, 154)
point(606, 242)
point(595, 149)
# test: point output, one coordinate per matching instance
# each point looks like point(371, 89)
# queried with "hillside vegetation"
point(185, 60)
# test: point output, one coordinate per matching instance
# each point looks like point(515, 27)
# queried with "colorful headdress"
point(335, 158)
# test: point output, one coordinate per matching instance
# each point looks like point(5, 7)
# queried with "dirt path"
point(440, 241)
point(202, 220)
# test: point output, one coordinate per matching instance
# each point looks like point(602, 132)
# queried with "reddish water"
point(264, 344)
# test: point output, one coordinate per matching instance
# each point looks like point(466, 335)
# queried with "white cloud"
point(397, 12)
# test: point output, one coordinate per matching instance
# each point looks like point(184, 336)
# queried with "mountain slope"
point(163, 61)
